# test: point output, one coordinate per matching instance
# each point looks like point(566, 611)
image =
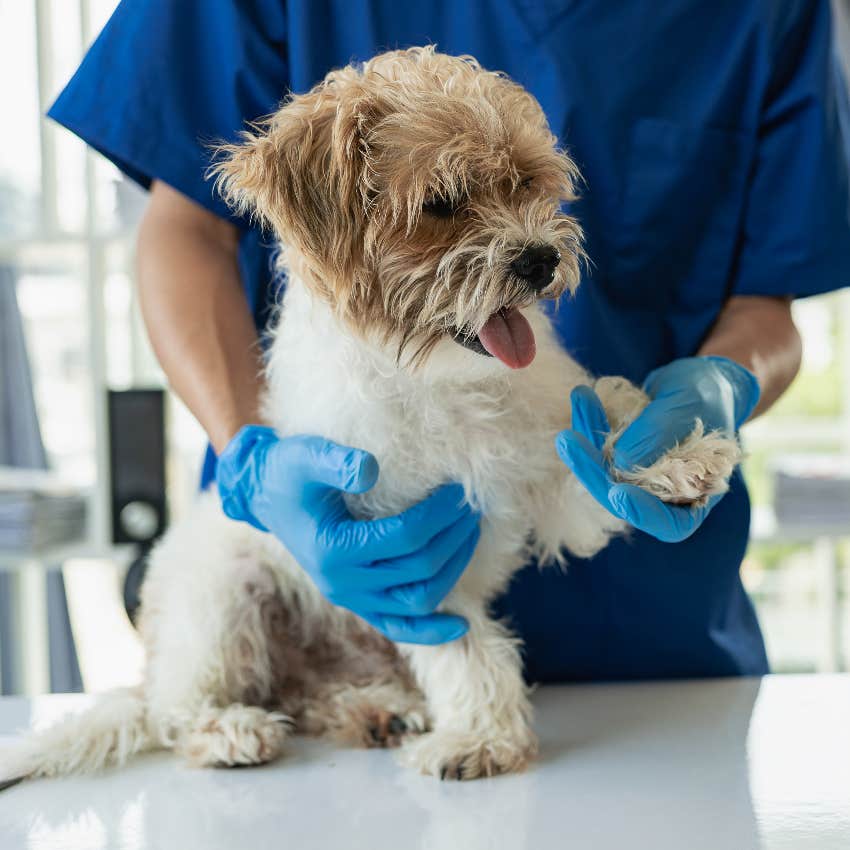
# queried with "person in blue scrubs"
point(713, 141)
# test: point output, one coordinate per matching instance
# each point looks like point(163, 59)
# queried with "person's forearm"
point(759, 333)
point(196, 313)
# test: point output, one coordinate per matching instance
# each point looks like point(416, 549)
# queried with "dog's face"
point(420, 196)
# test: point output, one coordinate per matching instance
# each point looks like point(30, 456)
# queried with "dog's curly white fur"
point(241, 647)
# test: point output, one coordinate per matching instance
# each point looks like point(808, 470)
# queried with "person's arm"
point(759, 333)
point(196, 312)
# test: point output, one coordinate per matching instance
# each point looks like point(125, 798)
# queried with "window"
point(67, 231)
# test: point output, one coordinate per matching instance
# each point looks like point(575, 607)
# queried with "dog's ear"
point(300, 172)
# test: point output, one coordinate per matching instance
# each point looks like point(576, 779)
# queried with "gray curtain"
point(21, 445)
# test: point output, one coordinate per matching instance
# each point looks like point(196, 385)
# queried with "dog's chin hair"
point(483, 292)
point(471, 280)
point(469, 283)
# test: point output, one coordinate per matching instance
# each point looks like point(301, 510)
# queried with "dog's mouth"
point(506, 335)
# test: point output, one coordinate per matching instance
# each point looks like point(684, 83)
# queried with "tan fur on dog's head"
point(403, 190)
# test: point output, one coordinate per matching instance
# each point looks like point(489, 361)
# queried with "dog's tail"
point(108, 733)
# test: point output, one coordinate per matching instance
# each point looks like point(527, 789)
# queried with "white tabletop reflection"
point(734, 764)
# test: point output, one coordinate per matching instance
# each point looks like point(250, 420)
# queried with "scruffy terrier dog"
point(417, 199)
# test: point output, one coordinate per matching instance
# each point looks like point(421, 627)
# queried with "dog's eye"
point(440, 207)
point(526, 183)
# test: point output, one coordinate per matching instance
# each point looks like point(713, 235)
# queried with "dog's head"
point(420, 196)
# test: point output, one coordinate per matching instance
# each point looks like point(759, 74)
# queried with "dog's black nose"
point(536, 266)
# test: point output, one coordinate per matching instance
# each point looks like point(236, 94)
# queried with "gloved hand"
point(392, 572)
point(714, 389)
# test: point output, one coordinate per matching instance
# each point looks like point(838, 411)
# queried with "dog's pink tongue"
point(508, 336)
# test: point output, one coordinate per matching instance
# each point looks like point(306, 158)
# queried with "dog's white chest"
point(494, 436)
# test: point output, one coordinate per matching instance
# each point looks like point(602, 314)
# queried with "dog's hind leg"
point(355, 686)
point(375, 715)
point(215, 627)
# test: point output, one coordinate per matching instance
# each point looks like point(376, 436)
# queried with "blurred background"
point(70, 327)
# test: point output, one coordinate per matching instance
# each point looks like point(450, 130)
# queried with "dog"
point(418, 201)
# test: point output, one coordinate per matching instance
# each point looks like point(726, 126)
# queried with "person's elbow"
point(171, 219)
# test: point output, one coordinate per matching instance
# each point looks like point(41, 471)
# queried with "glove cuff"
point(744, 383)
point(238, 471)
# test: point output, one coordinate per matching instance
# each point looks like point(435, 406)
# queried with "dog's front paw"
point(691, 471)
point(234, 736)
point(466, 755)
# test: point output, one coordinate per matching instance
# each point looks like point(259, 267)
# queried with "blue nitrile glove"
point(392, 572)
point(713, 389)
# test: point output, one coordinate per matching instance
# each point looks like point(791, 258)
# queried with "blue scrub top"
point(712, 138)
